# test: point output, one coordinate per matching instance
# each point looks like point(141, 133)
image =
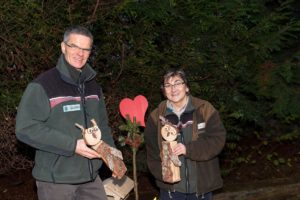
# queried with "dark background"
point(242, 56)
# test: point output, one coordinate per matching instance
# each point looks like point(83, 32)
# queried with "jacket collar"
point(88, 73)
point(190, 107)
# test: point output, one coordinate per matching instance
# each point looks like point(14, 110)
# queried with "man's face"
point(77, 50)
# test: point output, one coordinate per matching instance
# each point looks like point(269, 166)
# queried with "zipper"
point(196, 171)
point(82, 98)
point(81, 89)
point(187, 186)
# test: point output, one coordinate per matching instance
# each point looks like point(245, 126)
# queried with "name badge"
point(201, 125)
point(71, 108)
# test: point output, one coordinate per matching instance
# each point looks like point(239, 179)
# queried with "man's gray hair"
point(77, 30)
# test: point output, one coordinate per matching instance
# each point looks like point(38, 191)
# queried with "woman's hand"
point(179, 149)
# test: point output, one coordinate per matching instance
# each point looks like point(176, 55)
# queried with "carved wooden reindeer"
point(112, 157)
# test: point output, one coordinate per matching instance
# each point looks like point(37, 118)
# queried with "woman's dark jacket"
point(204, 140)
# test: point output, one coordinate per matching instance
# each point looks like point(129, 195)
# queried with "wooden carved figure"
point(170, 162)
point(112, 157)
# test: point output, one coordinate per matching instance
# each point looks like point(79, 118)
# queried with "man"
point(200, 138)
point(65, 167)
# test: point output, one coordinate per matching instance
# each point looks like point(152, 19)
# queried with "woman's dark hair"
point(171, 73)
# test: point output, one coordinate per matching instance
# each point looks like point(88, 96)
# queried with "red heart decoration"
point(134, 108)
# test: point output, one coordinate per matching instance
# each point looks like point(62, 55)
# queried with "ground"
point(258, 164)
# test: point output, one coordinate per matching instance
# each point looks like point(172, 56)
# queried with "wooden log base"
point(112, 158)
point(170, 171)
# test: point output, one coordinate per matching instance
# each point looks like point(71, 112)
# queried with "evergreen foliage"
point(243, 56)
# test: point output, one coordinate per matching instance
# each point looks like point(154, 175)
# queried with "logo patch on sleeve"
point(71, 108)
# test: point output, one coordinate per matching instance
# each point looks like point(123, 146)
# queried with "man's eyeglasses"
point(175, 85)
point(75, 47)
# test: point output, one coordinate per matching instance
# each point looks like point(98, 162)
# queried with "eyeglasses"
point(175, 85)
point(75, 47)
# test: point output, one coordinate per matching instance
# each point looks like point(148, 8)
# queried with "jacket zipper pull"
point(203, 196)
point(170, 196)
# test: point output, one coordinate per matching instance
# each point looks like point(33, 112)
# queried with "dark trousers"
point(165, 195)
point(86, 191)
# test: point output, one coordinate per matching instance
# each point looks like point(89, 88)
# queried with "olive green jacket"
point(48, 111)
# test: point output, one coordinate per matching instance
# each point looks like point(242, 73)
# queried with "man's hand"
point(83, 150)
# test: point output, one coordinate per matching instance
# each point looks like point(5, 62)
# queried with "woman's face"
point(175, 90)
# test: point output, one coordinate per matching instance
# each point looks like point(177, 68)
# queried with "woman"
point(201, 137)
